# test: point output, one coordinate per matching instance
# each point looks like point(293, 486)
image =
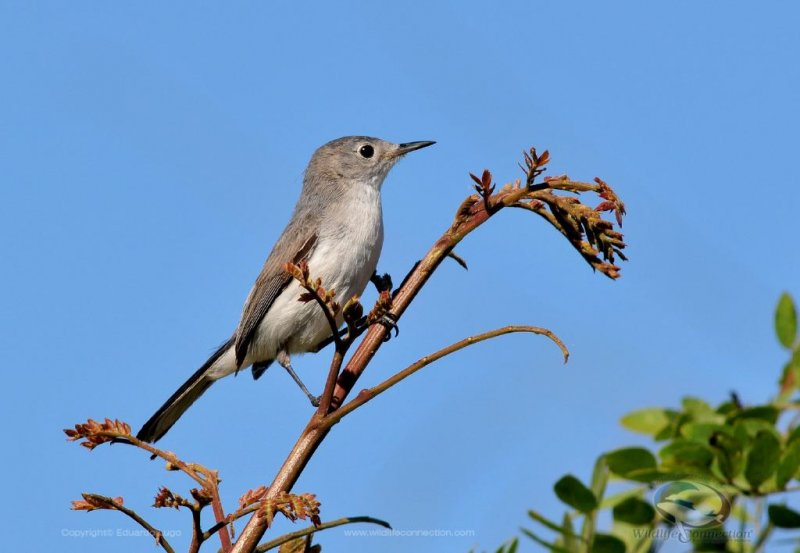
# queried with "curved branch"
point(368, 394)
point(110, 504)
point(272, 544)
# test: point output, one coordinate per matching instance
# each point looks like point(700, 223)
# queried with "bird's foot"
point(390, 322)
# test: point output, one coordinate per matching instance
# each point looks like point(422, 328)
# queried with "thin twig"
point(219, 513)
point(272, 544)
point(113, 505)
point(366, 395)
point(197, 532)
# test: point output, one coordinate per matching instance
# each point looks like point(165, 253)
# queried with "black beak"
point(403, 149)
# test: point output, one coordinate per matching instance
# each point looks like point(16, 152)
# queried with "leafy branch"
point(718, 482)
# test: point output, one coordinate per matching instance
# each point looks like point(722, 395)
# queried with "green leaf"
point(628, 459)
point(747, 429)
point(728, 450)
point(599, 477)
point(762, 459)
point(688, 454)
point(696, 407)
point(606, 543)
point(512, 547)
point(571, 491)
point(768, 413)
point(634, 511)
point(545, 522)
point(783, 517)
point(648, 421)
point(790, 463)
point(552, 547)
point(727, 408)
point(786, 321)
point(700, 431)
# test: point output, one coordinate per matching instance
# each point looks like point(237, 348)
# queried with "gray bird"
point(337, 228)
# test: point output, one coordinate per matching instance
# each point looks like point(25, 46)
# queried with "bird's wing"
point(269, 284)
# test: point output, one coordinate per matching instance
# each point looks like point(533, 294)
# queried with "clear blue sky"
point(150, 155)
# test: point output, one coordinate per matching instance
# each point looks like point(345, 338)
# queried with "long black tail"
point(179, 402)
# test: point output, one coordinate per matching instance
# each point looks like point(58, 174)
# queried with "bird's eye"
point(366, 151)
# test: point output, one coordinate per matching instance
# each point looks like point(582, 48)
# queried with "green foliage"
point(634, 511)
point(649, 421)
point(571, 491)
point(762, 458)
point(717, 469)
point(789, 465)
point(783, 517)
point(510, 547)
point(786, 321)
point(606, 543)
point(630, 460)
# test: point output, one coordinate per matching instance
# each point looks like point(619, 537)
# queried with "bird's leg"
point(285, 361)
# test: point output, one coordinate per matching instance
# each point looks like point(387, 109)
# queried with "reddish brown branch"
point(569, 216)
point(369, 394)
point(92, 501)
point(314, 529)
point(219, 513)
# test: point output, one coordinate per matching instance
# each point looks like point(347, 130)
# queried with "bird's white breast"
point(344, 257)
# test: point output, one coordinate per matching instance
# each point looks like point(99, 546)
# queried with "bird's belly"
point(344, 264)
